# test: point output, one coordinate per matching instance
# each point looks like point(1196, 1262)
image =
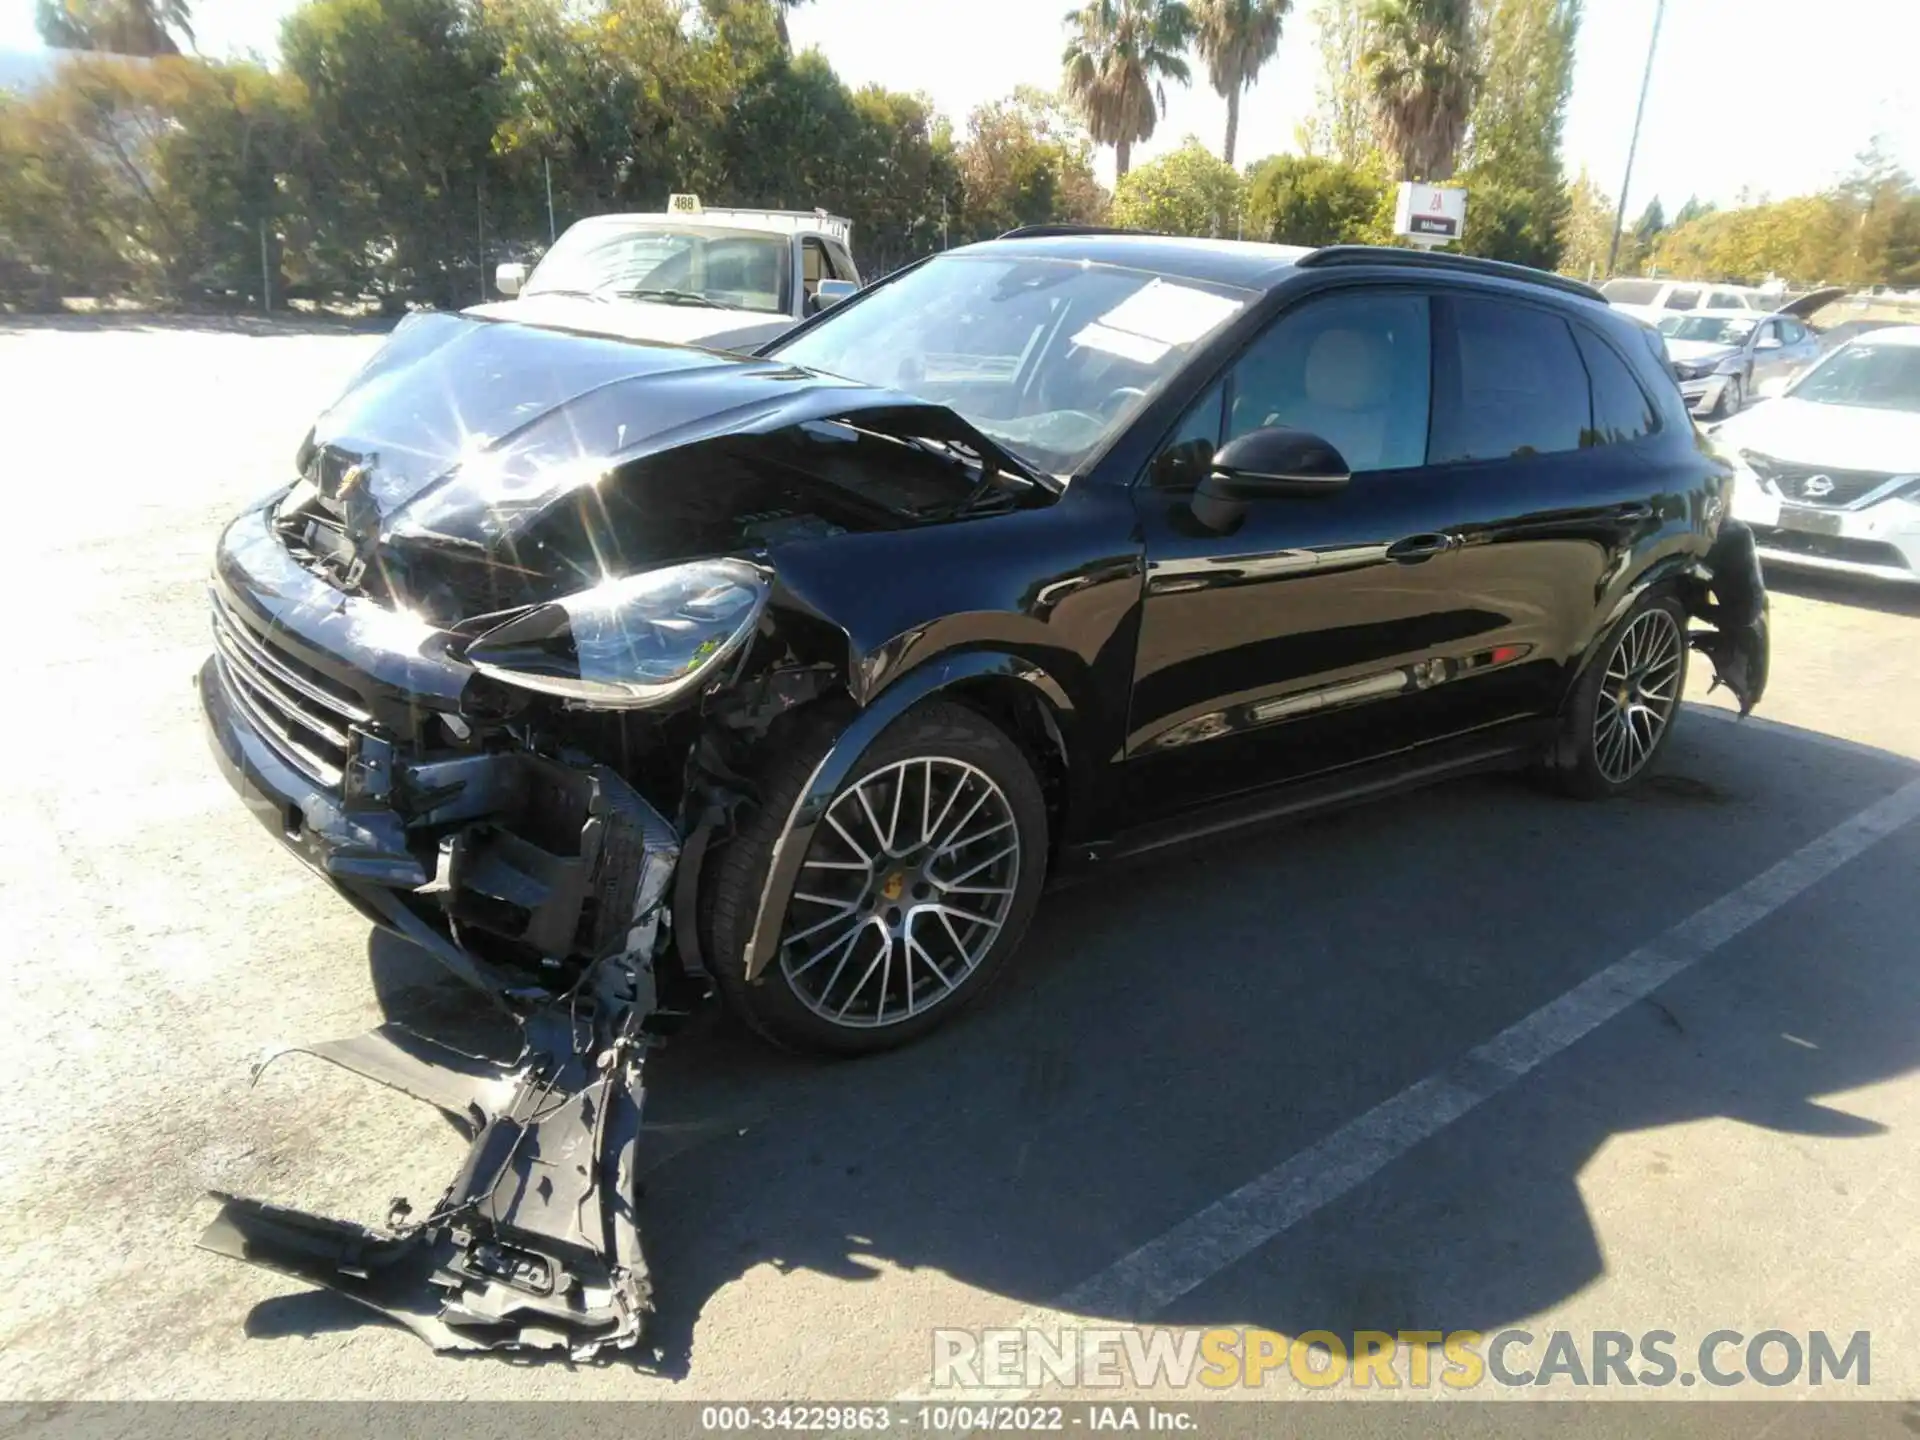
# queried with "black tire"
point(1580, 758)
point(1733, 398)
point(775, 1004)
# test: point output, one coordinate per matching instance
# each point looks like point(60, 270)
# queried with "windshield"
point(1049, 357)
point(1875, 377)
point(1631, 292)
point(1713, 329)
point(671, 264)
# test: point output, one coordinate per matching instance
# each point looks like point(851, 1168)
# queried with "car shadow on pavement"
point(1178, 1029)
point(1890, 598)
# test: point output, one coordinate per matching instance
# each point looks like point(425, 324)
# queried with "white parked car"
point(723, 279)
point(1650, 300)
point(1829, 473)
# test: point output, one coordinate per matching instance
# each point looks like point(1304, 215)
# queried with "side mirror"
point(830, 293)
point(1276, 461)
point(1767, 342)
point(509, 278)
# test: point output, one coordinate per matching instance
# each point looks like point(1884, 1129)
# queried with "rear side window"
point(1508, 382)
point(1683, 300)
point(1621, 410)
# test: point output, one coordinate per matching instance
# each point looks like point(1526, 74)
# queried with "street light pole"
point(1646, 80)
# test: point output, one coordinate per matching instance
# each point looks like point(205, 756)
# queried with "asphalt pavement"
point(1472, 1059)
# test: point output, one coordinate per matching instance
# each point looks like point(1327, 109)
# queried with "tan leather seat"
point(1348, 381)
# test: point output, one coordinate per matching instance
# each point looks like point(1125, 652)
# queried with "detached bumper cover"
point(535, 1244)
point(1732, 598)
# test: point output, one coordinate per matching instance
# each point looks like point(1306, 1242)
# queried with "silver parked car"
point(1723, 358)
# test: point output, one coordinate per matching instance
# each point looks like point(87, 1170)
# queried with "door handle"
point(1415, 548)
point(1637, 510)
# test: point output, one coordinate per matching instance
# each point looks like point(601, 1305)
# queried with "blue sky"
point(1754, 96)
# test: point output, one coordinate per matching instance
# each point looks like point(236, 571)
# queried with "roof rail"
point(1029, 232)
point(1469, 264)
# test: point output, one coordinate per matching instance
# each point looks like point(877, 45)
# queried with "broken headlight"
point(628, 643)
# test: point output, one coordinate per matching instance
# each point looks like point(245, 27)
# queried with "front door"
point(1437, 594)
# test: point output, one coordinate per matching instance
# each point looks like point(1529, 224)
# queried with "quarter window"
point(1509, 382)
point(1621, 410)
point(1353, 369)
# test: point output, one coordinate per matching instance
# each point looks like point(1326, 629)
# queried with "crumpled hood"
point(1693, 352)
point(1846, 437)
point(461, 426)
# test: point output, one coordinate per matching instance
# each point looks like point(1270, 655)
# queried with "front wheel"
point(916, 887)
point(1733, 398)
point(1620, 714)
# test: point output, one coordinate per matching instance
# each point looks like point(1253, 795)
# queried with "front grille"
point(1831, 547)
point(1833, 489)
point(301, 714)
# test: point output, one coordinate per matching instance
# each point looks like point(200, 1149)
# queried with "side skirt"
point(1508, 747)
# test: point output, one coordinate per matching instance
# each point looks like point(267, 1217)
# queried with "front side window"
point(1354, 369)
point(1874, 377)
point(1052, 358)
point(1708, 329)
point(1683, 299)
point(1508, 383)
point(667, 263)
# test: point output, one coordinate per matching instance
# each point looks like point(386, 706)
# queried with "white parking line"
point(1206, 1243)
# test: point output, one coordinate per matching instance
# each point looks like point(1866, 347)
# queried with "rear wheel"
point(1622, 711)
point(916, 887)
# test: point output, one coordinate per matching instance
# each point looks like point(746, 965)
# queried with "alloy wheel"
point(906, 886)
point(1638, 694)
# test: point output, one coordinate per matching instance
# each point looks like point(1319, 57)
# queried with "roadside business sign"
point(1430, 214)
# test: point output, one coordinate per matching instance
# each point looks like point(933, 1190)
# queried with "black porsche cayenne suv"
point(800, 673)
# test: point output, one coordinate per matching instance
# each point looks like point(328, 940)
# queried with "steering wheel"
point(1117, 401)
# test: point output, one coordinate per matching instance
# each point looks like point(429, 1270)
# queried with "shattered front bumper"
point(535, 1244)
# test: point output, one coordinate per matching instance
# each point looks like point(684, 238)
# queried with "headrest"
point(1347, 370)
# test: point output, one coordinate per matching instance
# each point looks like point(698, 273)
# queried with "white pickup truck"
point(723, 279)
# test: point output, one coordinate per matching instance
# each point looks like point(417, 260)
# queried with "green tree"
point(1236, 38)
point(1421, 73)
point(1514, 174)
point(1026, 161)
point(1312, 200)
point(121, 27)
point(403, 94)
point(1119, 56)
point(1342, 124)
point(1189, 192)
point(1587, 232)
point(1693, 209)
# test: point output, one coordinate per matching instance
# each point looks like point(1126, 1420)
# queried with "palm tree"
point(780, 9)
point(1420, 71)
point(1236, 38)
point(123, 27)
point(1118, 59)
